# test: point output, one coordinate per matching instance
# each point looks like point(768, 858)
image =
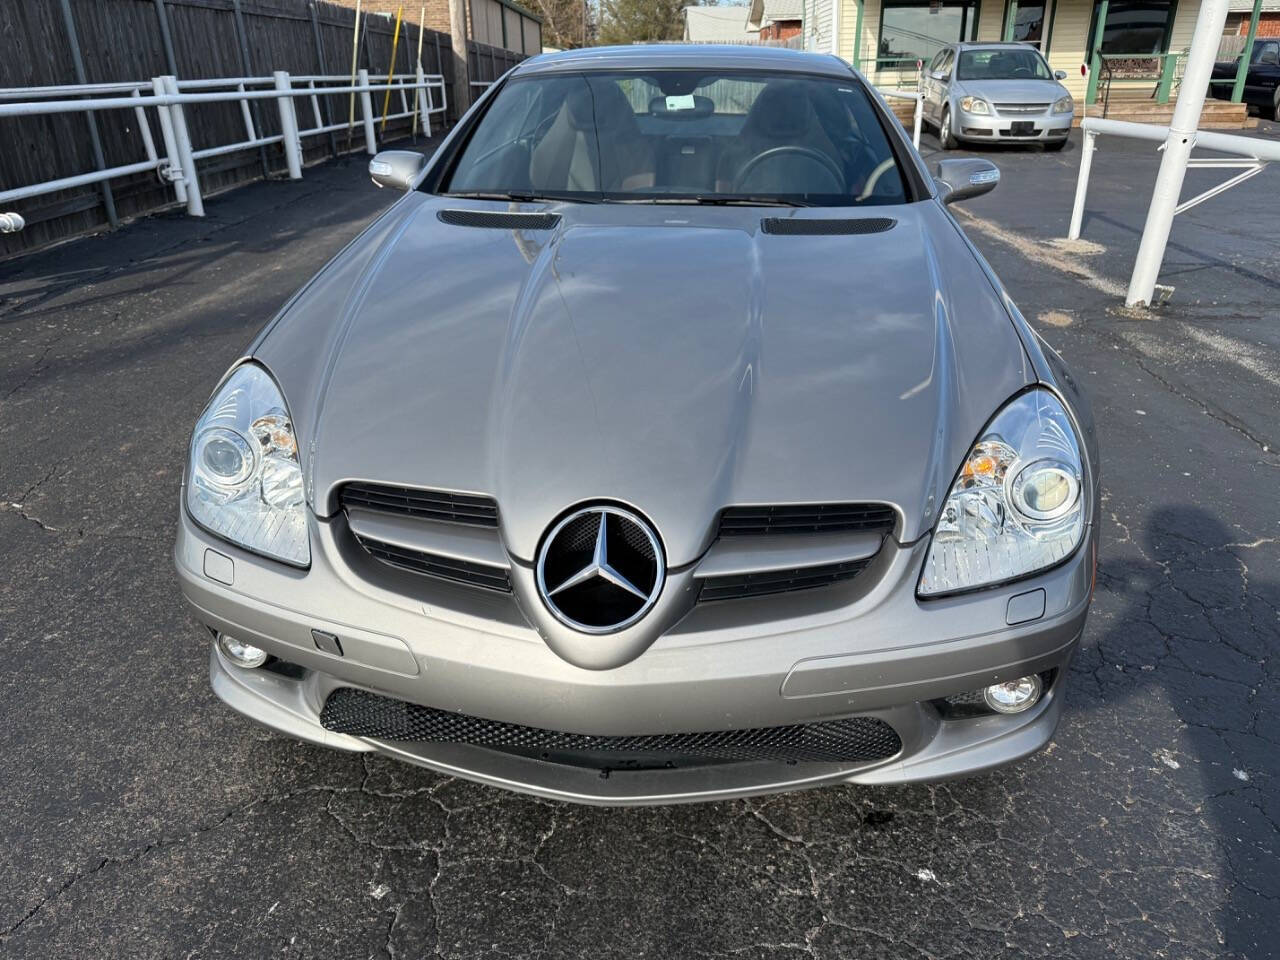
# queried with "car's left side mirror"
point(396, 168)
point(961, 179)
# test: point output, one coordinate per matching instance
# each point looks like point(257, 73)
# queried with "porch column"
point(1237, 91)
point(1010, 17)
point(1095, 55)
point(857, 36)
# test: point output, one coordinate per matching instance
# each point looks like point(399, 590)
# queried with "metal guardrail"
point(918, 97)
point(178, 165)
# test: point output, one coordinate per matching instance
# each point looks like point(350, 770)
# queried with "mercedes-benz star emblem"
point(600, 569)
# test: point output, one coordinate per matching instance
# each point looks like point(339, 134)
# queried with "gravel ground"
point(140, 818)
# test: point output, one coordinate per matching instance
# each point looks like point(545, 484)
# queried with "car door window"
point(1270, 54)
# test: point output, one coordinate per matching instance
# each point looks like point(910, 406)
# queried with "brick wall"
point(437, 11)
point(1268, 25)
point(780, 30)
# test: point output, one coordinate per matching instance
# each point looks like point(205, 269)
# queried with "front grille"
point(423, 504)
point(738, 586)
point(434, 565)
point(807, 518)
point(855, 739)
point(1021, 109)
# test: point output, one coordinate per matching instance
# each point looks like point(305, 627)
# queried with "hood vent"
point(805, 227)
point(499, 219)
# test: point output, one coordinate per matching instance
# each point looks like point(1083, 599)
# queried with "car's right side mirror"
point(961, 179)
point(1059, 74)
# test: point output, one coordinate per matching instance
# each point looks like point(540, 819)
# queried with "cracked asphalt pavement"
point(141, 818)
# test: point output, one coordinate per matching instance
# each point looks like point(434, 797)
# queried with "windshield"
point(681, 136)
point(1002, 65)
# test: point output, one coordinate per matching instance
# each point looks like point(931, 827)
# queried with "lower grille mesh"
point(740, 585)
point(433, 565)
point(854, 739)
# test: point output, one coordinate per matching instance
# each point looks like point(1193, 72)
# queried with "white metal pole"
point(421, 104)
point(1182, 137)
point(289, 126)
point(366, 105)
point(915, 133)
point(1082, 184)
point(182, 139)
point(170, 145)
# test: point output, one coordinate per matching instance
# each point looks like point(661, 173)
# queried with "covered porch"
point(1134, 50)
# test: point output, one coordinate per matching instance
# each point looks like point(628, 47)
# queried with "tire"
point(1055, 145)
point(945, 138)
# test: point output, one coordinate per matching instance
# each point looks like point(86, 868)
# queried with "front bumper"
point(745, 664)
point(1046, 126)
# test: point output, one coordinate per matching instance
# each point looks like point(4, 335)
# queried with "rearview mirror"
point(396, 168)
point(1059, 74)
point(962, 179)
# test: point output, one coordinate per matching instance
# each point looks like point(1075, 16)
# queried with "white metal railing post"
point(1182, 137)
point(174, 164)
point(144, 128)
point(915, 133)
point(182, 140)
point(366, 107)
point(423, 102)
point(289, 126)
point(1082, 183)
point(11, 223)
point(247, 114)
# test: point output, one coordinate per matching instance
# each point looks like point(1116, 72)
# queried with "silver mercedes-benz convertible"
point(667, 440)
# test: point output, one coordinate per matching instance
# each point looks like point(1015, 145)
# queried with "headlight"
point(1065, 105)
point(1017, 506)
point(244, 482)
point(974, 105)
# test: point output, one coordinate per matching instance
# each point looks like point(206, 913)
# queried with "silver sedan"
point(979, 92)
point(666, 440)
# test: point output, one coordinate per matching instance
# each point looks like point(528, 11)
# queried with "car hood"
point(673, 358)
point(1014, 91)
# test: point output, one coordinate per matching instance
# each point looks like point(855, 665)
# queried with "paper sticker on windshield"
point(681, 103)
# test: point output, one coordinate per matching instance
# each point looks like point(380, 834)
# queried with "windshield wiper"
point(714, 200)
point(518, 197)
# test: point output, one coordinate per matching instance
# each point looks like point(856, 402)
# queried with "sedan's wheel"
point(945, 138)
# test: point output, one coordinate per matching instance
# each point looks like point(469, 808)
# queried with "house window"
point(911, 31)
point(1139, 27)
point(1030, 24)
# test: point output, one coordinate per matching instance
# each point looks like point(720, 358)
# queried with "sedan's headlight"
point(244, 482)
point(1064, 105)
point(975, 105)
point(1017, 506)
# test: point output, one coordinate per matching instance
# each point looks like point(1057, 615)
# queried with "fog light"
point(241, 654)
point(1013, 696)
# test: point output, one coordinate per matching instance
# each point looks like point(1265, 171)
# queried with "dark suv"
point(1261, 83)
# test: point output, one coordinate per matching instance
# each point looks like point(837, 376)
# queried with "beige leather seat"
point(594, 144)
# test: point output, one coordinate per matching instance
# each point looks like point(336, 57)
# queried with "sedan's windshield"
point(1002, 64)
point(681, 136)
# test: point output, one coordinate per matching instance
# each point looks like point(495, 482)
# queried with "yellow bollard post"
point(391, 69)
point(355, 57)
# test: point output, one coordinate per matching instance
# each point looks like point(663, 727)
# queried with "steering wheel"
point(807, 152)
point(1021, 71)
